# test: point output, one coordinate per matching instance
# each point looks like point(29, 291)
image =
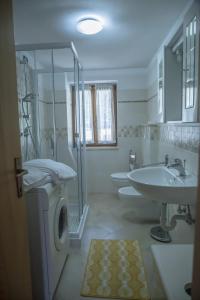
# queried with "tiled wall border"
point(183, 136)
point(129, 131)
point(48, 133)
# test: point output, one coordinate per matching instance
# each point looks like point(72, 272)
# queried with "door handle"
point(19, 173)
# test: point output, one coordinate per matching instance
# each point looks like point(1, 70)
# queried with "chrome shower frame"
point(83, 207)
point(51, 46)
point(48, 46)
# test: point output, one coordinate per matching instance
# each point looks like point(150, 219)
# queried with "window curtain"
point(105, 113)
point(89, 131)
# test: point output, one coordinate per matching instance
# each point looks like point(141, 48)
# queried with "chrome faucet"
point(179, 166)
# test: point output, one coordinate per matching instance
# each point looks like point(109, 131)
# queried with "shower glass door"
point(49, 86)
point(45, 118)
point(69, 149)
point(79, 135)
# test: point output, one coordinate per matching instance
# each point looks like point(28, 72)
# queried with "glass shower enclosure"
point(51, 115)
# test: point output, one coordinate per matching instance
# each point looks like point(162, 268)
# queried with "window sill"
point(102, 148)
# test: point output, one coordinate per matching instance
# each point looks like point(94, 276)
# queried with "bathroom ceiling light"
point(89, 26)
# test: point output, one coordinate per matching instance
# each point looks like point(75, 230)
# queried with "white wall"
point(177, 140)
point(64, 151)
point(152, 89)
point(152, 69)
point(138, 105)
point(132, 111)
point(46, 117)
point(128, 79)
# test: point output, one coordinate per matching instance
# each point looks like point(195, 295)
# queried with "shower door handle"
point(76, 139)
point(19, 173)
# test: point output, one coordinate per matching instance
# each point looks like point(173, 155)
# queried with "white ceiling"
point(133, 31)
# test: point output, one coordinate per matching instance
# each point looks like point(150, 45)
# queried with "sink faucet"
point(178, 165)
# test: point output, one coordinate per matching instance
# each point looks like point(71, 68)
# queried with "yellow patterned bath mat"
point(115, 270)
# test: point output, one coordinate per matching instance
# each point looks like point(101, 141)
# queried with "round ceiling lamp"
point(89, 26)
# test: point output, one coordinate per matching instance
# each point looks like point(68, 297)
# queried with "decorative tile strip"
point(182, 136)
point(47, 133)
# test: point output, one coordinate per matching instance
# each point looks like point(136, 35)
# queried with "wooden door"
point(196, 259)
point(15, 279)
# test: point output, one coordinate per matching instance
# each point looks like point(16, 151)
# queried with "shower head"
point(28, 97)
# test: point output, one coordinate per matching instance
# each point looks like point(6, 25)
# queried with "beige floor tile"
point(111, 218)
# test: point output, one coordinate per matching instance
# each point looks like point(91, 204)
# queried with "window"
point(100, 114)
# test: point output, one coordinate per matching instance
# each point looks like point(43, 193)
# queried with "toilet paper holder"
point(132, 160)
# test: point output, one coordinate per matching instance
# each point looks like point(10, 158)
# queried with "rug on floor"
point(115, 270)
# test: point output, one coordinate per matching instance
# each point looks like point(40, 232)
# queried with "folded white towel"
point(56, 170)
point(35, 178)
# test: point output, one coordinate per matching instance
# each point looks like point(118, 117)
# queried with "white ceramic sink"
point(164, 185)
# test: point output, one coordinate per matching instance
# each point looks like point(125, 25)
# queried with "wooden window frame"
point(93, 95)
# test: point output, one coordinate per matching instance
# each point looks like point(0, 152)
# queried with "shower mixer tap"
point(28, 97)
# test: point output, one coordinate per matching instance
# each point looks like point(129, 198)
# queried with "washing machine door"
point(61, 225)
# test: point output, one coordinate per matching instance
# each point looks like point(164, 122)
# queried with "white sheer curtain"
point(105, 113)
point(89, 130)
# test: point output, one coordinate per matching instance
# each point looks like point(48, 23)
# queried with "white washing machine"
point(48, 237)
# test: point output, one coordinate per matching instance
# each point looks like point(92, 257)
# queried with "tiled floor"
point(108, 220)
